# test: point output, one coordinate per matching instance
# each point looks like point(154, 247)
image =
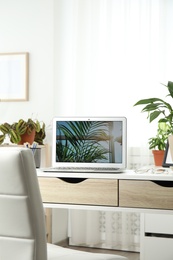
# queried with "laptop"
point(97, 144)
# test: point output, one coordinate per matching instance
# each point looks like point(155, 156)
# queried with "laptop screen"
point(89, 142)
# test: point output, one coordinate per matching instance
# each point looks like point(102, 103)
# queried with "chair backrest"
point(22, 222)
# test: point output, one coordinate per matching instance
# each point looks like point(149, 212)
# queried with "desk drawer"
point(158, 224)
point(156, 237)
point(157, 249)
point(79, 191)
point(146, 194)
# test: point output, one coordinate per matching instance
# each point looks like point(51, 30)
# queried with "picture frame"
point(167, 161)
point(168, 156)
point(14, 76)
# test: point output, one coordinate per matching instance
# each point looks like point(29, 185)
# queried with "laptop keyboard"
point(80, 169)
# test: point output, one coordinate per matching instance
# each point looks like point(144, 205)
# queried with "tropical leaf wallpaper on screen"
point(82, 141)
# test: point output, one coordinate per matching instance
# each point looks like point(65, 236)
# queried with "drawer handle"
point(147, 234)
point(72, 180)
point(164, 183)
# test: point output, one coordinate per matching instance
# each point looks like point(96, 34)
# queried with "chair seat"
point(61, 253)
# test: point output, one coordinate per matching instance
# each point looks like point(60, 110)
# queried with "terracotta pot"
point(158, 157)
point(26, 138)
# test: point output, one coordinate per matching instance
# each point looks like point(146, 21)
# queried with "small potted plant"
point(158, 143)
point(23, 131)
point(157, 108)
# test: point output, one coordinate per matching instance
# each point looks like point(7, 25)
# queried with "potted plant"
point(23, 131)
point(158, 143)
point(157, 108)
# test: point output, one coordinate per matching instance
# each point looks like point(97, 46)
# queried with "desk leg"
point(48, 213)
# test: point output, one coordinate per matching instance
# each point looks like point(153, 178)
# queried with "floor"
point(129, 255)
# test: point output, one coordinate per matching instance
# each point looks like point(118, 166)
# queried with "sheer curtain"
point(108, 55)
point(107, 229)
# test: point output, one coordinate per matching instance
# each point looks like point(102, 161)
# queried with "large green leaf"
point(147, 101)
point(152, 106)
point(154, 115)
point(170, 88)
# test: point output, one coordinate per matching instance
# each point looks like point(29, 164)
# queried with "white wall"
point(27, 26)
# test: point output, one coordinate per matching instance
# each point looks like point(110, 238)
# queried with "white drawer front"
point(158, 223)
point(157, 249)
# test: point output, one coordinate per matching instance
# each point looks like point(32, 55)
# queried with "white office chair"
point(22, 220)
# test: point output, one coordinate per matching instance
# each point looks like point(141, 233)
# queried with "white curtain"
point(108, 55)
point(107, 229)
point(104, 229)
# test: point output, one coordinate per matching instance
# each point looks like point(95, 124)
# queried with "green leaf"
point(170, 88)
point(2, 137)
point(150, 107)
point(154, 115)
point(147, 101)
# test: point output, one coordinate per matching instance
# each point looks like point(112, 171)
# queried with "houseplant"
point(158, 143)
point(22, 131)
point(161, 110)
point(156, 107)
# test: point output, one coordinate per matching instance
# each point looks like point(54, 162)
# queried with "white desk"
point(143, 192)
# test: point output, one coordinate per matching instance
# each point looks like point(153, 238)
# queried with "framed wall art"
point(14, 76)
